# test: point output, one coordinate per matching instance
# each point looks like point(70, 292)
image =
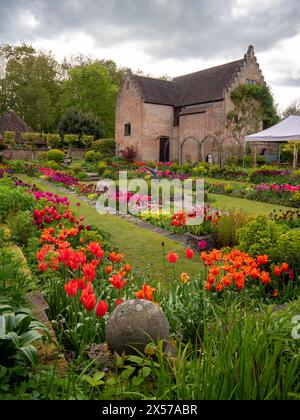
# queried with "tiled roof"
point(195, 88)
point(157, 91)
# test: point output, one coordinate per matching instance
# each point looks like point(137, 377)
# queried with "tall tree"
point(292, 109)
point(91, 89)
point(77, 122)
point(31, 86)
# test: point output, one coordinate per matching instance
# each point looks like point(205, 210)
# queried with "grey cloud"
point(166, 28)
point(287, 82)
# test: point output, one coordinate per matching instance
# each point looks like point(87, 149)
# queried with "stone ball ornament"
point(134, 324)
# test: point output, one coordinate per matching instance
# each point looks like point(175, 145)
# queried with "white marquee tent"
point(286, 130)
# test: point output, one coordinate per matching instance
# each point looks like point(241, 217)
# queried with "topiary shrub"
point(55, 155)
point(200, 171)
point(259, 236)
point(92, 156)
point(101, 168)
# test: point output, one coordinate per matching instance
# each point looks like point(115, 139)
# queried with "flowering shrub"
point(259, 236)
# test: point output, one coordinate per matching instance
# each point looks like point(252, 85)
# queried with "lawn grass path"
point(225, 202)
point(143, 248)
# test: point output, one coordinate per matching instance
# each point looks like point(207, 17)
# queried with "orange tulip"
point(262, 259)
point(208, 286)
point(265, 277)
point(277, 271)
point(219, 287)
point(108, 269)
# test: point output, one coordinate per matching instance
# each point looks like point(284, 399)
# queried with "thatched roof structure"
point(10, 121)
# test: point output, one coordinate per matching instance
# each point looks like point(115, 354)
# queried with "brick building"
point(157, 116)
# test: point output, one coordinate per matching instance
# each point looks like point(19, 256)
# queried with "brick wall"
point(158, 121)
point(150, 121)
point(201, 126)
point(25, 154)
point(129, 109)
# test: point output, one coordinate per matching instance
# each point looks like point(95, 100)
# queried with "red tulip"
point(90, 302)
point(117, 282)
point(89, 272)
point(190, 254)
point(173, 257)
point(71, 288)
point(101, 309)
point(118, 302)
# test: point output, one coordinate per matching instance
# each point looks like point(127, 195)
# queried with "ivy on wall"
point(254, 109)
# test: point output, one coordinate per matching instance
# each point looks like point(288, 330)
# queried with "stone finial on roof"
point(250, 53)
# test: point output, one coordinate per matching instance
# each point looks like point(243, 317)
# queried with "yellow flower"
point(185, 278)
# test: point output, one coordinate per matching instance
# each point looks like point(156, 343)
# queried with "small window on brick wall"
point(251, 82)
point(127, 129)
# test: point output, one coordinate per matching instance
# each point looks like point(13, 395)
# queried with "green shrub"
point(82, 176)
point(101, 168)
point(187, 167)
point(261, 160)
point(227, 228)
point(15, 278)
point(21, 226)
point(106, 147)
point(200, 171)
point(296, 198)
point(109, 174)
point(55, 155)
point(42, 156)
point(228, 189)
point(287, 249)
point(13, 200)
point(7, 181)
point(259, 236)
point(214, 170)
point(52, 164)
point(92, 156)
point(76, 168)
point(18, 166)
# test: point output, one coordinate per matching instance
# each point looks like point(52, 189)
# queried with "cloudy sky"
point(161, 37)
